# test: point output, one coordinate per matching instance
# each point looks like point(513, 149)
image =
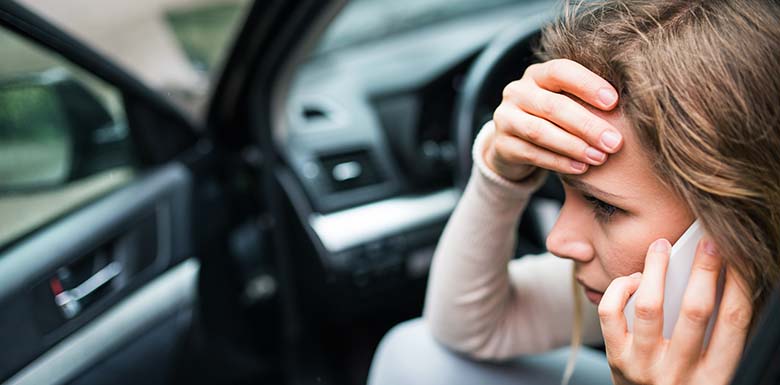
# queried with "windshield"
point(365, 20)
point(177, 46)
point(174, 46)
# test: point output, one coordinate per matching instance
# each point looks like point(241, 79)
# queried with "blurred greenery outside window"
point(204, 32)
point(56, 154)
point(176, 47)
point(39, 177)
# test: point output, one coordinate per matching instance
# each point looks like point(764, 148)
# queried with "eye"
point(604, 211)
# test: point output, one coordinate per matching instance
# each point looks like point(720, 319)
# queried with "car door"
point(97, 267)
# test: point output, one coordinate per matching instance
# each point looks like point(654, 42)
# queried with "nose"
point(569, 237)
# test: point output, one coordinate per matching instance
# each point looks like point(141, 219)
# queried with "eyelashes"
point(603, 210)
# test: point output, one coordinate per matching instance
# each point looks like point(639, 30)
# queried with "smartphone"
point(677, 274)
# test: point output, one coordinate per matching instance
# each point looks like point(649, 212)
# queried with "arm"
point(480, 303)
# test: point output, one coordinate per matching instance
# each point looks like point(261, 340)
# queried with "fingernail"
point(607, 96)
point(594, 154)
point(579, 166)
point(709, 247)
point(610, 139)
point(661, 246)
point(635, 275)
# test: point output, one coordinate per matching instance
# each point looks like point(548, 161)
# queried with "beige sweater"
point(481, 303)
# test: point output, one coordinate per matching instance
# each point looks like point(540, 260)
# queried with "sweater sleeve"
point(480, 303)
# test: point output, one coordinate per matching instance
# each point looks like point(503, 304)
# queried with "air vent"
point(350, 170)
point(314, 113)
point(320, 112)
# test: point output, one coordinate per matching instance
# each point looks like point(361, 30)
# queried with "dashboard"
point(368, 143)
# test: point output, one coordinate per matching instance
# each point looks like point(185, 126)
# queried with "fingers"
point(571, 116)
point(697, 306)
point(547, 135)
point(510, 150)
point(557, 132)
point(649, 318)
point(613, 321)
point(731, 325)
point(572, 77)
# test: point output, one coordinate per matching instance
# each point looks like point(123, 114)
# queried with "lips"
point(594, 296)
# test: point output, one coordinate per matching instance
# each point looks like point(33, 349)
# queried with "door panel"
point(147, 359)
point(82, 287)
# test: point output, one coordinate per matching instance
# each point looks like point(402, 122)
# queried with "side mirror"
point(53, 130)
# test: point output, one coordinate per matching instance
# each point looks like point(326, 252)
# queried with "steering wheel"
point(503, 61)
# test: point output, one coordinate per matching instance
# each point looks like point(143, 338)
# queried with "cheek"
point(623, 250)
point(619, 259)
point(623, 247)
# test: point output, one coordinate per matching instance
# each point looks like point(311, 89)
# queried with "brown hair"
point(700, 83)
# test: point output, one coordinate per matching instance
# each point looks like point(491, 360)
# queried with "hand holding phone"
point(695, 342)
point(677, 273)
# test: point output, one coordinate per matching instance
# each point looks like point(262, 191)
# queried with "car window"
point(174, 46)
point(366, 20)
point(63, 137)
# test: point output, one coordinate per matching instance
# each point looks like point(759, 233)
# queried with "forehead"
point(628, 172)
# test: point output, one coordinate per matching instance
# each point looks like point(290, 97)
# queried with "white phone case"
point(677, 274)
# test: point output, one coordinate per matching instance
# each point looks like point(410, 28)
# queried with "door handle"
point(70, 300)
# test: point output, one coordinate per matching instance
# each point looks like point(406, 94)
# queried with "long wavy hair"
point(699, 82)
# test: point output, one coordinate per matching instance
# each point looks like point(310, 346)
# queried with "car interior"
point(277, 235)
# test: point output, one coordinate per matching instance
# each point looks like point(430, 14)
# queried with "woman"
point(653, 113)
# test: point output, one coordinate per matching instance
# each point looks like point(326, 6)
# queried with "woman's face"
point(612, 213)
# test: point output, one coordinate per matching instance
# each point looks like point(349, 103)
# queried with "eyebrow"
point(588, 188)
